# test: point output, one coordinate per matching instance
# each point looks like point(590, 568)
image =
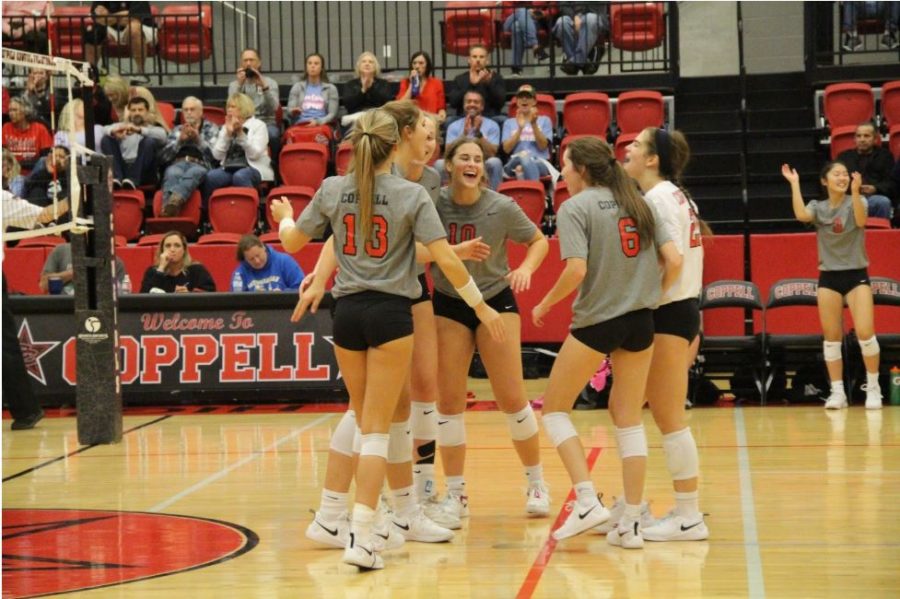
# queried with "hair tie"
point(663, 147)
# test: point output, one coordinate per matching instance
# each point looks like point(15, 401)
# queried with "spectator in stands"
point(59, 265)
point(71, 118)
point(886, 12)
point(133, 145)
point(26, 138)
point(313, 100)
point(263, 269)
point(241, 149)
point(174, 271)
point(579, 26)
point(102, 107)
point(476, 126)
point(154, 117)
point(480, 78)
point(25, 25)
point(187, 156)
point(116, 90)
point(422, 88)
point(49, 179)
point(874, 164)
point(367, 91)
point(123, 23)
point(527, 138)
point(522, 24)
point(13, 181)
point(895, 177)
point(840, 223)
point(37, 94)
point(263, 94)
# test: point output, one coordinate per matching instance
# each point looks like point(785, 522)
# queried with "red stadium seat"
point(303, 164)
point(120, 241)
point(214, 114)
point(586, 113)
point(622, 143)
point(874, 222)
point(67, 23)
point(890, 103)
point(467, 24)
point(638, 110)
point(187, 222)
point(320, 134)
point(234, 210)
point(167, 112)
point(150, 240)
point(560, 195)
point(128, 213)
point(847, 104)
point(894, 141)
point(184, 36)
point(546, 105)
point(342, 157)
point(22, 268)
point(299, 196)
point(637, 26)
point(43, 241)
point(529, 195)
point(219, 238)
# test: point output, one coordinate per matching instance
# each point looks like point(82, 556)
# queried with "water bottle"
point(237, 282)
point(415, 85)
point(125, 285)
point(895, 386)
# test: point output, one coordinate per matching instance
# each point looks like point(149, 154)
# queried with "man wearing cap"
point(526, 138)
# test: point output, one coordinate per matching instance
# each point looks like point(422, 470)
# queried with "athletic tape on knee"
point(344, 432)
point(400, 446)
point(374, 444)
point(357, 440)
point(451, 430)
point(869, 347)
point(681, 454)
point(832, 350)
point(632, 442)
point(423, 421)
point(522, 425)
point(559, 427)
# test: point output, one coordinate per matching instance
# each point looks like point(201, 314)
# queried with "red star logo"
point(33, 351)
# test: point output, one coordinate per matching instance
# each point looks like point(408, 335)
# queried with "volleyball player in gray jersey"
point(376, 218)
point(843, 273)
point(469, 210)
point(611, 240)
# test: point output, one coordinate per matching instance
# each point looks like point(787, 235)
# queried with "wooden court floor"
point(800, 503)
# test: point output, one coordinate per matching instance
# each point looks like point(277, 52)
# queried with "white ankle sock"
point(872, 380)
point(332, 504)
point(585, 493)
point(687, 504)
point(405, 501)
point(837, 387)
point(534, 474)
point(456, 485)
point(363, 519)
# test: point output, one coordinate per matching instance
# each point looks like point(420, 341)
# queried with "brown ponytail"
point(373, 137)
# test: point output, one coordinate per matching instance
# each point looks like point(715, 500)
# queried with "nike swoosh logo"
point(427, 412)
point(405, 495)
point(684, 528)
point(492, 213)
point(508, 307)
point(400, 526)
point(333, 533)
point(353, 544)
point(521, 420)
point(443, 422)
point(378, 534)
point(584, 515)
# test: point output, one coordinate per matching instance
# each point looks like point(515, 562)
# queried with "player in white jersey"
point(469, 210)
point(376, 218)
point(656, 160)
point(843, 274)
point(612, 241)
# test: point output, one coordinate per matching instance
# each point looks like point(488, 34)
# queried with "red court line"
point(543, 558)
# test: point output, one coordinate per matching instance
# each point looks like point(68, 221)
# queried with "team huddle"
point(635, 258)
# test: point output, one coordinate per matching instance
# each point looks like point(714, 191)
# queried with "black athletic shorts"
point(458, 310)
point(96, 33)
point(426, 295)
point(371, 318)
point(681, 318)
point(632, 332)
point(843, 281)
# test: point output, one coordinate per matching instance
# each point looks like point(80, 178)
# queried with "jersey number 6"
point(629, 237)
point(376, 248)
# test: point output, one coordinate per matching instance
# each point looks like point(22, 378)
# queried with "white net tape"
point(23, 215)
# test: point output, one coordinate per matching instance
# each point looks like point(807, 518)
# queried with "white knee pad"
point(869, 347)
point(451, 430)
point(681, 454)
point(342, 437)
point(522, 425)
point(400, 446)
point(357, 440)
point(424, 421)
point(559, 427)
point(832, 350)
point(632, 442)
point(374, 444)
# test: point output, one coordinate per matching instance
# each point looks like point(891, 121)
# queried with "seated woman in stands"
point(260, 268)
point(313, 100)
point(367, 91)
point(174, 271)
point(72, 118)
point(242, 147)
point(840, 222)
point(116, 90)
point(423, 89)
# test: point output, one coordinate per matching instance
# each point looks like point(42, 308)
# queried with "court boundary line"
point(80, 450)
point(529, 585)
point(240, 463)
point(756, 584)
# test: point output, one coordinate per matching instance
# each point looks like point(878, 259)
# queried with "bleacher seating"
point(303, 163)
point(167, 112)
point(299, 196)
point(184, 36)
point(847, 104)
point(586, 113)
point(234, 210)
point(530, 197)
point(188, 220)
point(128, 213)
point(637, 26)
point(468, 24)
point(639, 109)
point(67, 30)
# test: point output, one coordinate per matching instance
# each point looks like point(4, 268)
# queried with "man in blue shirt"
point(476, 126)
point(527, 138)
point(263, 269)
